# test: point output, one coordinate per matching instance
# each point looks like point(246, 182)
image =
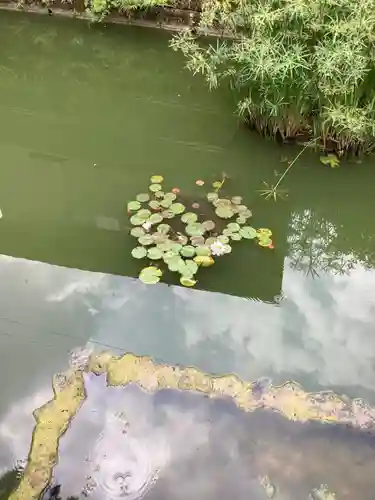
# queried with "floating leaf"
point(222, 238)
point(197, 240)
point(192, 266)
point(235, 237)
point(209, 225)
point(170, 196)
point(263, 232)
point(241, 208)
point(223, 202)
point(210, 241)
point(175, 263)
point(167, 246)
point(163, 228)
point(139, 252)
point(248, 232)
point(224, 212)
point(135, 220)
point(187, 281)
point(246, 214)
point(330, 160)
point(154, 187)
point(166, 203)
point(182, 239)
point(137, 232)
point(154, 253)
point(167, 256)
point(159, 194)
point(177, 208)
point(133, 206)
point(227, 249)
point(142, 197)
point(156, 179)
point(176, 247)
point(265, 242)
point(234, 227)
point(203, 251)
point(204, 261)
point(189, 217)
point(236, 200)
point(150, 275)
point(167, 214)
point(217, 185)
point(144, 214)
point(155, 205)
point(146, 240)
point(159, 238)
point(187, 251)
point(241, 220)
point(227, 232)
point(211, 197)
point(195, 229)
point(155, 218)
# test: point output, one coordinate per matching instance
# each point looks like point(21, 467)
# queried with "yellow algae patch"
point(52, 420)
point(288, 399)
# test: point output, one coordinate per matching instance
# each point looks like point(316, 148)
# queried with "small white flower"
point(217, 248)
point(146, 225)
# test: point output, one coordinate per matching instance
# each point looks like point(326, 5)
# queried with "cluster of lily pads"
point(172, 236)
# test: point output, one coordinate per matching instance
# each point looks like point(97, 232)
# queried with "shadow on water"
point(125, 443)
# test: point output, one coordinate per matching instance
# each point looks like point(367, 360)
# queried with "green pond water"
point(88, 113)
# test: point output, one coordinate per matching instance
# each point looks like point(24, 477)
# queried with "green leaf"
point(208, 225)
point(170, 196)
point(189, 282)
point(217, 185)
point(155, 205)
point(197, 240)
point(195, 229)
point(227, 232)
point(223, 238)
point(154, 253)
point(211, 197)
point(176, 247)
point(144, 214)
point(155, 218)
point(236, 200)
point(166, 203)
point(248, 232)
point(203, 251)
point(177, 208)
point(241, 220)
point(264, 232)
point(135, 220)
point(156, 179)
point(167, 214)
point(175, 263)
point(133, 205)
point(189, 218)
point(154, 187)
point(192, 266)
point(150, 275)
point(235, 237)
point(163, 228)
point(330, 160)
point(139, 252)
point(146, 240)
point(264, 242)
point(142, 197)
point(204, 261)
point(234, 227)
point(187, 251)
point(137, 232)
point(159, 238)
point(182, 239)
point(159, 195)
point(210, 241)
point(224, 212)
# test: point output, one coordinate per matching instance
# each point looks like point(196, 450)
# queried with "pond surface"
point(88, 113)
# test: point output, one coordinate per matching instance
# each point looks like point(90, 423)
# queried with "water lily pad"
point(204, 261)
point(150, 275)
point(139, 252)
point(135, 220)
point(167, 214)
point(245, 214)
point(146, 240)
point(209, 241)
point(248, 232)
point(191, 265)
point(222, 238)
point(187, 251)
point(187, 281)
point(175, 263)
point(166, 203)
point(197, 240)
point(236, 200)
point(265, 242)
point(154, 253)
point(176, 247)
point(203, 251)
point(177, 208)
point(159, 195)
point(137, 232)
point(155, 205)
point(217, 184)
point(144, 214)
point(163, 228)
point(155, 218)
point(263, 232)
point(227, 232)
point(189, 218)
point(156, 179)
point(133, 206)
point(234, 227)
point(170, 196)
point(154, 187)
point(209, 225)
point(227, 249)
point(241, 208)
point(159, 238)
point(167, 256)
point(142, 197)
point(211, 197)
point(182, 239)
point(167, 246)
point(195, 229)
point(222, 202)
point(241, 220)
point(224, 212)
point(235, 237)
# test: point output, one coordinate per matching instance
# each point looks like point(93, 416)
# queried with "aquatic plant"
point(100, 8)
point(300, 68)
point(181, 236)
